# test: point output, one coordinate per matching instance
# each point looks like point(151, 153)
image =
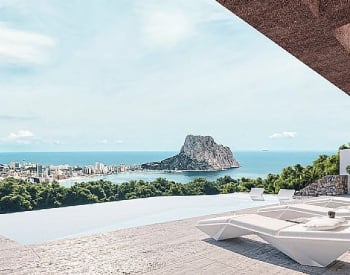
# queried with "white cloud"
point(21, 137)
point(20, 134)
point(167, 28)
point(106, 141)
point(284, 134)
point(167, 23)
point(23, 47)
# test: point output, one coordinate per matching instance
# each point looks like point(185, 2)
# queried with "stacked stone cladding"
point(331, 185)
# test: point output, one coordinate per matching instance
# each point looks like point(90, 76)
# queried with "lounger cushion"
point(259, 224)
point(324, 223)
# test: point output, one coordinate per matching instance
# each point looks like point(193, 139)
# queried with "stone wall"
point(327, 186)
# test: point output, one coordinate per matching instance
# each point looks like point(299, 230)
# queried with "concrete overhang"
point(317, 32)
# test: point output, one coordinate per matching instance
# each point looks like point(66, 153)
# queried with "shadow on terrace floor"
point(262, 251)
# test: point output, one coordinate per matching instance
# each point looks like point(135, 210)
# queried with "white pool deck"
point(167, 248)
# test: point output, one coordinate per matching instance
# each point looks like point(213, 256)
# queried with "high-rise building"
point(100, 167)
point(39, 170)
point(12, 165)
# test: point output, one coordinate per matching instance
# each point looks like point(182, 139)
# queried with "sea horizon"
point(113, 151)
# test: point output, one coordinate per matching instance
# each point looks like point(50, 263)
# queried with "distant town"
point(36, 172)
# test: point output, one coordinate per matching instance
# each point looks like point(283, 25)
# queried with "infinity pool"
point(50, 224)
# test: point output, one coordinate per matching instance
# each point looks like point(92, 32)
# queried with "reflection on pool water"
point(49, 224)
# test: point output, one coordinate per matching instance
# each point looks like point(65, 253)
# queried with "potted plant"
point(348, 169)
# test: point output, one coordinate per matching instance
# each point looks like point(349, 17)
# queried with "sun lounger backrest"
point(256, 194)
point(256, 191)
point(337, 204)
point(286, 212)
point(320, 210)
point(260, 224)
point(286, 193)
point(292, 211)
point(331, 202)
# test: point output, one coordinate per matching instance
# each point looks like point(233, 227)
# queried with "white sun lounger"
point(300, 210)
point(332, 202)
point(285, 194)
point(256, 194)
point(305, 246)
point(287, 212)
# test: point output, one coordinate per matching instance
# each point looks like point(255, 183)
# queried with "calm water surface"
point(49, 224)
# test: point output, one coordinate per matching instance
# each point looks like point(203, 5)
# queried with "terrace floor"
point(167, 248)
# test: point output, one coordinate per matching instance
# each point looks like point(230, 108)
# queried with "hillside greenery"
point(18, 195)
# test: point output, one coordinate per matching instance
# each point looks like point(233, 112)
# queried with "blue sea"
point(253, 163)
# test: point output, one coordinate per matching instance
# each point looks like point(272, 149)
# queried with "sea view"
point(57, 223)
point(253, 164)
point(174, 137)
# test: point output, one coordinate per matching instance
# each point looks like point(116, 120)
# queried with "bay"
point(253, 163)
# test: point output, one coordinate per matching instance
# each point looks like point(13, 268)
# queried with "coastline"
point(182, 171)
point(81, 178)
point(144, 171)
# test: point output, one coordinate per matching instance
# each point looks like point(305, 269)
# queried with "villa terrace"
point(168, 248)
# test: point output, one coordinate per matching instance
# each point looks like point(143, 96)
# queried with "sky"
point(141, 75)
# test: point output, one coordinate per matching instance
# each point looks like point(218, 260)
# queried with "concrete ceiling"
point(317, 32)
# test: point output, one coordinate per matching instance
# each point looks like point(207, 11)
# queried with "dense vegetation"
point(18, 195)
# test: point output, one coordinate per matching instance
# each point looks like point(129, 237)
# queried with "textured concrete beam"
point(314, 31)
point(343, 35)
point(314, 6)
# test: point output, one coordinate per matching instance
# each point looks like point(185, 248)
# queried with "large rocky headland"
point(199, 153)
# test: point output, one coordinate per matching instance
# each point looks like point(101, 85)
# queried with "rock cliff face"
point(197, 153)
